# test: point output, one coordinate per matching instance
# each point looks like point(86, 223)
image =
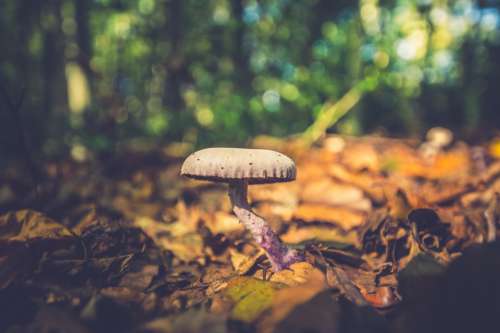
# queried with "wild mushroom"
point(437, 138)
point(239, 168)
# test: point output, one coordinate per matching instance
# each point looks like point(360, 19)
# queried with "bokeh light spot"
point(204, 116)
point(271, 100)
point(146, 6)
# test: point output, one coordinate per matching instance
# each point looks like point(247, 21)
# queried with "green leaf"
point(251, 297)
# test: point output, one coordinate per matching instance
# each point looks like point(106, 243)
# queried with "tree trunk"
point(83, 37)
point(54, 80)
point(240, 58)
point(175, 62)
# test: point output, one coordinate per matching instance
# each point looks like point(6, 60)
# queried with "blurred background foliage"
point(101, 74)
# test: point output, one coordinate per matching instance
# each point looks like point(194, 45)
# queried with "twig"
point(330, 113)
point(492, 215)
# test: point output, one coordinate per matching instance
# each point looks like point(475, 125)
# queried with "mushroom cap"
point(257, 166)
point(439, 136)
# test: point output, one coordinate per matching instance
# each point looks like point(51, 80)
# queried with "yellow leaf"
point(251, 297)
point(494, 148)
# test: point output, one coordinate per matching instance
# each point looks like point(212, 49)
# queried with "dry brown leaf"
point(297, 234)
point(360, 156)
point(222, 222)
point(139, 279)
point(283, 193)
point(343, 218)
point(297, 274)
point(178, 237)
point(133, 209)
point(310, 172)
point(125, 295)
point(28, 225)
point(371, 184)
point(19, 230)
point(270, 210)
point(326, 191)
point(242, 263)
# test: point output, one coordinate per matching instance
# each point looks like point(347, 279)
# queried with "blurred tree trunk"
point(472, 87)
point(83, 38)
point(53, 62)
point(24, 13)
point(175, 62)
point(243, 72)
point(240, 58)
point(24, 77)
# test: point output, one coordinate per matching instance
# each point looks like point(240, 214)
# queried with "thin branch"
point(331, 113)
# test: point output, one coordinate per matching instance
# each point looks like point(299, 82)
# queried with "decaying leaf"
point(297, 274)
point(243, 263)
point(296, 235)
point(28, 226)
point(222, 222)
point(327, 192)
point(251, 297)
point(179, 237)
point(286, 299)
point(345, 219)
point(24, 237)
point(383, 221)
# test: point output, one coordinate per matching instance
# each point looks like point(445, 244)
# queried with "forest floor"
point(391, 229)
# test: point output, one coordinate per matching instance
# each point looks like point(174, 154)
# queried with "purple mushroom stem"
point(280, 255)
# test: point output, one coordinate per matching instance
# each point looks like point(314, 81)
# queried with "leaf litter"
point(394, 231)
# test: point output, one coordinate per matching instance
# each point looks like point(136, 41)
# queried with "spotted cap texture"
point(257, 166)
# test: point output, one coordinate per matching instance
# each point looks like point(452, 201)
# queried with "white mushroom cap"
point(439, 136)
point(257, 166)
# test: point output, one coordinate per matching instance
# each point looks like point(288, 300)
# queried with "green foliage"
point(221, 71)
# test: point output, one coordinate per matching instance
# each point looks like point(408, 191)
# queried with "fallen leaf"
point(494, 148)
point(178, 237)
point(384, 297)
point(326, 191)
point(251, 297)
point(295, 235)
point(297, 274)
point(222, 222)
point(282, 193)
point(140, 278)
point(28, 225)
point(341, 217)
point(243, 263)
point(371, 184)
point(285, 300)
point(25, 236)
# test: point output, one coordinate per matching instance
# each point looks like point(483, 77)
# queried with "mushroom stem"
point(279, 254)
